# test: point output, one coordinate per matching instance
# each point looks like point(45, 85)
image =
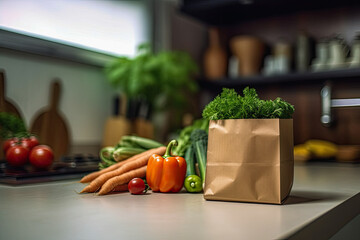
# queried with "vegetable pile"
point(142, 158)
point(20, 147)
point(125, 166)
point(20, 151)
point(114, 177)
point(122, 163)
point(230, 105)
point(163, 173)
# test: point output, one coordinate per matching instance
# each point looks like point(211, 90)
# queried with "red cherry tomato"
point(136, 186)
point(17, 156)
point(9, 143)
point(41, 156)
point(30, 142)
point(25, 142)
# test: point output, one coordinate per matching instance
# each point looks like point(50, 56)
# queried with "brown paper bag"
point(250, 160)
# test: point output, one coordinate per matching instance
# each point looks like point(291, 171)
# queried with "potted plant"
point(163, 79)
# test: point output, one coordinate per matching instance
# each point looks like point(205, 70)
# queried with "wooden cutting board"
point(6, 105)
point(50, 125)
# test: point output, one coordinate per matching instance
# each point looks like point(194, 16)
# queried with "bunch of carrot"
point(117, 176)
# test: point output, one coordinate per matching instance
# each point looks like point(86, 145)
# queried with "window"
point(104, 26)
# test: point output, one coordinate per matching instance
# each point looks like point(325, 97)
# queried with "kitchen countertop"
point(323, 195)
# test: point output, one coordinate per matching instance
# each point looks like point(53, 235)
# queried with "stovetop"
point(68, 167)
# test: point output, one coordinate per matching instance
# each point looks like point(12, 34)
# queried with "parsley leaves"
point(230, 105)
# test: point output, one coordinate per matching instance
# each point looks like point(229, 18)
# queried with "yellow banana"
point(321, 148)
point(301, 153)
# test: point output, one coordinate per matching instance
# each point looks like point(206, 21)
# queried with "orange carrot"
point(99, 181)
point(141, 161)
point(114, 182)
point(93, 175)
point(90, 177)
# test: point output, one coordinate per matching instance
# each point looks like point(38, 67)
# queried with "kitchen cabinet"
point(272, 20)
point(323, 200)
point(230, 12)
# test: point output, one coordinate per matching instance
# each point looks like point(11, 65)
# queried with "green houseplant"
point(162, 79)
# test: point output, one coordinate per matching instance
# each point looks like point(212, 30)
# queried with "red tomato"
point(41, 156)
point(17, 156)
point(136, 186)
point(9, 143)
point(30, 142)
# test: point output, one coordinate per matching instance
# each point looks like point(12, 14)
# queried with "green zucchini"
point(141, 142)
point(123, 153)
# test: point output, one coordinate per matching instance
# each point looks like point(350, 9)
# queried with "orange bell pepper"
point(166, 173)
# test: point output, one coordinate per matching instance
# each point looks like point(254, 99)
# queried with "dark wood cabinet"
point(301, 89)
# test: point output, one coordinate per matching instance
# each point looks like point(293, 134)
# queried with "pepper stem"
point(169, 147)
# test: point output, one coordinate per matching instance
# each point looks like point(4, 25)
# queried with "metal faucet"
point(327, 104)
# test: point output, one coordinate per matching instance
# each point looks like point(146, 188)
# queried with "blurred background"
point(305, 52)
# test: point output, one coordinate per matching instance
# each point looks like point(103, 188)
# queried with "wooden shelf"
point(291, 78)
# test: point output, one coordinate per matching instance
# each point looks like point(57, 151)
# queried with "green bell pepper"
point(193, 184)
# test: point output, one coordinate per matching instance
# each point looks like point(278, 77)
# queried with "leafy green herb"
point(11, 126)
point(164, 75)
point(230, 105)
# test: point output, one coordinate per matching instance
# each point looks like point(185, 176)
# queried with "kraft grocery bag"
point(250, 160)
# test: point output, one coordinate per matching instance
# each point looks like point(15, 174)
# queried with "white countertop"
point(322, 195)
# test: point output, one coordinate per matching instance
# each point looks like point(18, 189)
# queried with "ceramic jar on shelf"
point(331, 54)
point(249, 50)
point(354, 60)
point(215, 57)
point(322, 55)
point(302, 54)
point(338, 51)
point(279, 62)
